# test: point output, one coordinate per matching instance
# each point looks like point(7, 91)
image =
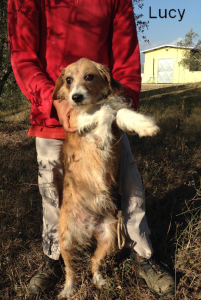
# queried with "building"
point(162, 65)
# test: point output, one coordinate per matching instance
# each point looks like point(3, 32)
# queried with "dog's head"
point(85, 82)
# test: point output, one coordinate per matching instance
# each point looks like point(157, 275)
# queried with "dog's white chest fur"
point(98, 125)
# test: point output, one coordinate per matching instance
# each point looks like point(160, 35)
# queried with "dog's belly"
point(87, 209)
point(85, 219)
point(92, 225)
point(78, 228)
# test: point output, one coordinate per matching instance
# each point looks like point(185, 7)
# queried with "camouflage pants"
point(50, 179)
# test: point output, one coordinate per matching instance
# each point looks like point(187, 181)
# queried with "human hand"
point(63, 111)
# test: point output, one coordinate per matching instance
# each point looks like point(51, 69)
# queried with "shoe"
point(158, 278)
point(46, 278)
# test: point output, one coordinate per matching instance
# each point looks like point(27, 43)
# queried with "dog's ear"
point(58, 85)
point(114, 85)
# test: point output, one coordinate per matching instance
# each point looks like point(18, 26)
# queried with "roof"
point(165, 46)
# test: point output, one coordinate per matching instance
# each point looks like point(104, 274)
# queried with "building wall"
point(180, 75)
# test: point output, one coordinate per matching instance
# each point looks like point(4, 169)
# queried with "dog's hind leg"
point(66, 244)
point(105, 237)
point(68, 289)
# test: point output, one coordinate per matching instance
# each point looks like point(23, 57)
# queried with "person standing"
point(45, 36)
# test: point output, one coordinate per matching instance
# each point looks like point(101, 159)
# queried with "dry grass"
point(170, 166)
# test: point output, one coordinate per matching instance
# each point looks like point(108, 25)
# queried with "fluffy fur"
point(91, 160)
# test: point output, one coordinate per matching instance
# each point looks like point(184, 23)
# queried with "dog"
point(91, 161)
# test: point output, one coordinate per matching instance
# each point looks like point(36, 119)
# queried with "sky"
point(169, 30)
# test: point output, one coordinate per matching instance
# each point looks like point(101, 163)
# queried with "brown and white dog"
point(91, 161)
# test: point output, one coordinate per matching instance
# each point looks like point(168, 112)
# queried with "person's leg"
point(133, 204)
point(50, 181)
point(158, 279)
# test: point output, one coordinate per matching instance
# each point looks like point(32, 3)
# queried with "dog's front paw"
point(151, 130)
point(130, 121)
point(98, 280)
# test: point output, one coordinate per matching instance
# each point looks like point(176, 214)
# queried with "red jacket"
point(47, 35)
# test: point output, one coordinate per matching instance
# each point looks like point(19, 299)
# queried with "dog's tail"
point(131, 121)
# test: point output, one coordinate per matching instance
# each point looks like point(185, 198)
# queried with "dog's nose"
point(77, 98)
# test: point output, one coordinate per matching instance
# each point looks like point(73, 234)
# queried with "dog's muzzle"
point(77, 98)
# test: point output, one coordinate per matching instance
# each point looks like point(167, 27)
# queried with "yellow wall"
point(180, 75)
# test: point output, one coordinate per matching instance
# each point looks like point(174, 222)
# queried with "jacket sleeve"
point(125, 56)
point(24, 39)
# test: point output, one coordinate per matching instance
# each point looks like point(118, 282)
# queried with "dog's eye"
point(89, 77)
point(69, 80)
